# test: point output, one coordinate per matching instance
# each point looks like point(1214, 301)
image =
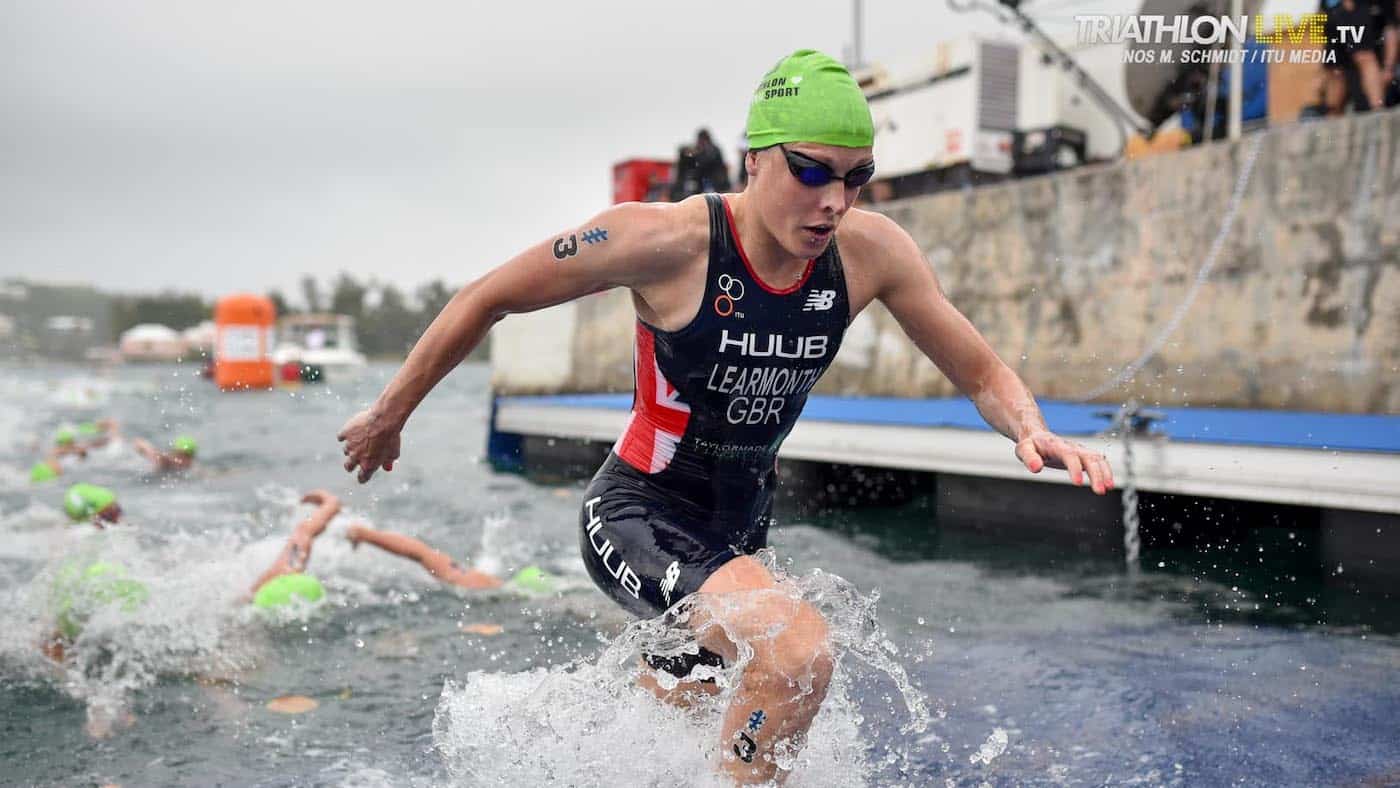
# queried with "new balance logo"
point(668, 584)
point(819, 301)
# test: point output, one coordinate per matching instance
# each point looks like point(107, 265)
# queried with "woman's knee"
point(791, 640)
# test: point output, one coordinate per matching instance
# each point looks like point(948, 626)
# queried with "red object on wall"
point(635, 180)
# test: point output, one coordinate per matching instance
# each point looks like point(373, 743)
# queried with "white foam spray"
point(589, 724)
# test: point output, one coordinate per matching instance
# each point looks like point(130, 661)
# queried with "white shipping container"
point(956, 105)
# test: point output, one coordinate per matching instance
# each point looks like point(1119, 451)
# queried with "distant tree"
point(432, 297)
point(391, 327)
point(311, 291)
point(348, 297)
point(176, 310)
point(279, 302)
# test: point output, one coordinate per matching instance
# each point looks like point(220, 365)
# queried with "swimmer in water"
point(97, 434)
point(90, 503)
point(179, 458)
point(79, 591)
point(47, 469)
point(287, 577)
point(65, 444)
point(742, 301)
point(440, 565)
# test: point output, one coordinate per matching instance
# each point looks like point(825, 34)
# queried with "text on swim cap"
point(776, 87)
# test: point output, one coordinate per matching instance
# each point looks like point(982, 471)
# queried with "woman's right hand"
point(371, 442)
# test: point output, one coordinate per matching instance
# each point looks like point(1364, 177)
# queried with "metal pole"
point(857, 51)
point(1236, 75)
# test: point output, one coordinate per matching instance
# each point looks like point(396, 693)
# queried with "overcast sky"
point(229, 146)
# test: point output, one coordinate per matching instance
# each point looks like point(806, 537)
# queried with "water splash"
point(991, 749)
point(588, 723)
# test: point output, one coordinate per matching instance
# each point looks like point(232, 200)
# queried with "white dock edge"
point(1364, 481)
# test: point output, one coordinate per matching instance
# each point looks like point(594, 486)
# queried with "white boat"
point(322, 341)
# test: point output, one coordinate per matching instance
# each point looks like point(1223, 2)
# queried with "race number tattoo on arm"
point(746, 747)
point(568, 247)
point(565, 248)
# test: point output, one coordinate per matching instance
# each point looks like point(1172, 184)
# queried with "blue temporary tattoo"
point(756, 720)
point(596, 235)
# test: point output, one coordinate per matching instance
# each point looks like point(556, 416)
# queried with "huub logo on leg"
point(622, 573)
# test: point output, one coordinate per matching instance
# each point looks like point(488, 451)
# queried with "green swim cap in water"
point(79, 593)
point(64, 437)
point(82, 501)
point(533, 579)
point(279, 590)
point(185, 445)
point(42, 472)
point(89, 429)
point(809, 97)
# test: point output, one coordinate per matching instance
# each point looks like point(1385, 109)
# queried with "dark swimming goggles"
point(810, 172)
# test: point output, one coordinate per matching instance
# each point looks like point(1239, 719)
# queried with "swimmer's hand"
point(355, 535)
point(322, 499)
point(1044, 448)
point(371, 442)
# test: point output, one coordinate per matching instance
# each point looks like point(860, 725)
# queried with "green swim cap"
point(185, 445)
point(809, 97)
point(78, 593)
point(64, 437)
point(89, 429)
point(534, 580)
point(82, 501)
point(42, 472)
point(279, 590)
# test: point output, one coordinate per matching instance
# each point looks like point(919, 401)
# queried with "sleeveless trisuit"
point(689, 485)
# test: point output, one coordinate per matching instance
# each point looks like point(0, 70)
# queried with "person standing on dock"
point(742, 301)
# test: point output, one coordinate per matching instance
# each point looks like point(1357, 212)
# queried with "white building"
point(152, 342)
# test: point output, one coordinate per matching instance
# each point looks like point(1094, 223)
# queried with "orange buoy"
point(243, 342)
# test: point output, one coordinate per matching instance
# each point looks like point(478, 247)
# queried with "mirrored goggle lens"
point(813, 176)
point(821, 176)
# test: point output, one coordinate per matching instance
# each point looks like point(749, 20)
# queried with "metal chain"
point(1131, 420)
point(1132, 542)
point(1155, 346)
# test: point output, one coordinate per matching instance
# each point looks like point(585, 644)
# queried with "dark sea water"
point(966, 661)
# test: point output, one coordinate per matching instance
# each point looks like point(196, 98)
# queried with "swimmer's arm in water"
point(297, 553)
point(158, 458)
point(71, 449)
point(439, 564)
point(144, 448)
point(906, 284)
point(632, 245)
point(108, 431)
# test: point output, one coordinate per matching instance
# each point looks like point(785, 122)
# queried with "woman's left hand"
point(1044, 448)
